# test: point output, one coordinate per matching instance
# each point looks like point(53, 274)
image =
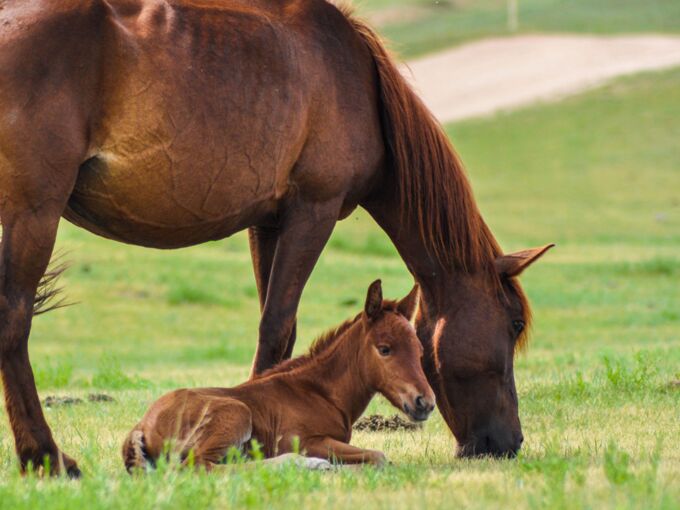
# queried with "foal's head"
point(391, 361)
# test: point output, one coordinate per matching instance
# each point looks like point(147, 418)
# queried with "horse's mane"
point(432, 182)
point(321, 344)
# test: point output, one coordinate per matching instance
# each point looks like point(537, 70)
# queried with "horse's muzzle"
point(492, 446)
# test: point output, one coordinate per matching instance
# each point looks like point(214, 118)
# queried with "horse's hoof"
point(73, 472)
point(59, 464)
point(66, 466)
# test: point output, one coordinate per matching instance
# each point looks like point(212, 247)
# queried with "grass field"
point(419, 26)
point(598, 174)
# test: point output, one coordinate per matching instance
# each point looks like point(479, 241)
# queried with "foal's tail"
point(433, 186)
point(134, 451)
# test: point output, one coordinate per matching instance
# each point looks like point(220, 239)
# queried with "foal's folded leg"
point(226, 423)
point(333, 449)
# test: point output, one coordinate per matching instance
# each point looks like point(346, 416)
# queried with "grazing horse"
point(167, 123)
point(312, 400)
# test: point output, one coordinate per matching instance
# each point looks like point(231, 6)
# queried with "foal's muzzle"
point(419, 409)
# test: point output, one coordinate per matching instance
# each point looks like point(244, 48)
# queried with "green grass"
point(421, 26)
point(599, 174)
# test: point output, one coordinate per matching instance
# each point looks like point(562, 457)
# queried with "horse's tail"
point(48, 295)
point(433, 186)
point(134, 451)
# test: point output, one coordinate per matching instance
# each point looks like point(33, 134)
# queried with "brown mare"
point(167, 123)
point(314, 399)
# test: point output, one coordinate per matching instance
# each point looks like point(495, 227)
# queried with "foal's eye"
point(518, 326)
point(384, 350)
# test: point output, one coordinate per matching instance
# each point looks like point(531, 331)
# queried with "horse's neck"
point(433, 279)
point(338, 375)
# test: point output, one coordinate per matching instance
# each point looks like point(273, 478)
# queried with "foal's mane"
point(431, 179)
point(321, 344)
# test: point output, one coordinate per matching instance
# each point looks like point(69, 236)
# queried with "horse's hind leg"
point(32, 200)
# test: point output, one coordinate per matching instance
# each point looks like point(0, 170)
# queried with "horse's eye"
point(384, 350)
point(518, 326)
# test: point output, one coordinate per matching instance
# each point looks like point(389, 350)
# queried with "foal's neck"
point(338, 373)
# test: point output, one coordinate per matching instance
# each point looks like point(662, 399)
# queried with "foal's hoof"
point(313, 463)
point(377, 458)
point(316, 464)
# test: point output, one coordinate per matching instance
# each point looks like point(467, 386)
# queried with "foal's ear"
point(408, 306)
point(374, 300)
point(512, 264)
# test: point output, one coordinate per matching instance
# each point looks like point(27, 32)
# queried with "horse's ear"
point(374, 300)
point(408, 306)
point(512, 264)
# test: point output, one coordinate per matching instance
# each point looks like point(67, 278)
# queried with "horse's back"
point(196, 118)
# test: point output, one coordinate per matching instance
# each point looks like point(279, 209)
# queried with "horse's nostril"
point(421, 403)
point(518, 444)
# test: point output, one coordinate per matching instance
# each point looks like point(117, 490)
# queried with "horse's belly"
point(154, 195)
point(198, 129)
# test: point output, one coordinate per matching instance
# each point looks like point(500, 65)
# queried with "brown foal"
point(315, 398)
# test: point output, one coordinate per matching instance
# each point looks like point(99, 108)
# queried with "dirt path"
point(496, 74)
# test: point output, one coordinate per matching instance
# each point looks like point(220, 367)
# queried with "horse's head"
point(474, 338)
point(392, 353)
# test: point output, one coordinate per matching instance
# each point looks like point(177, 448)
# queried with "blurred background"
point(567, 116)
point(417, 27)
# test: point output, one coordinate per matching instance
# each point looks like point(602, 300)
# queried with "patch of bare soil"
point(380, 423)
point(53, 401)
point(100, 397)
point(56, 401)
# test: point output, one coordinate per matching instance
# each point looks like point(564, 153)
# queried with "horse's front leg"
point(304, 230)
point(262, 248)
